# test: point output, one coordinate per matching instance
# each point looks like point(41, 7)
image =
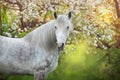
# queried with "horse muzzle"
point(60, 46)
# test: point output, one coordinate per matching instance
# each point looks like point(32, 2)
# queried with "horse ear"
point(69, 15)
point(55, 15)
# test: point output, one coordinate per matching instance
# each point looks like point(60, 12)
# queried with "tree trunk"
point(117, 8)
point(117, 44)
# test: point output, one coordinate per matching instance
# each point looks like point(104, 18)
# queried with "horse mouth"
point(60, 48)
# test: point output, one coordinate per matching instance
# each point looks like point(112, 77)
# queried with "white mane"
point(43, 36)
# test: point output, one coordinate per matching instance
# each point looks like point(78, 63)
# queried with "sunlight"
point(107, 17)
point(106, 14)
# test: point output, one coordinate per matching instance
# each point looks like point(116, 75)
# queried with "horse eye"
point(67, 27)
point(55, 27)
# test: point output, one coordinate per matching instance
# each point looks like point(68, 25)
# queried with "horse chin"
point(60, 48)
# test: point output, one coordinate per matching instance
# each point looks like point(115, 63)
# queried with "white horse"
point(38, 52)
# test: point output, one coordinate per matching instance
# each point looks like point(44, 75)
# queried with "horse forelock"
point(62, 19)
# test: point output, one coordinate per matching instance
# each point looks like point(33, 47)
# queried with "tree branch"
point(10, 7)
point(8, 1)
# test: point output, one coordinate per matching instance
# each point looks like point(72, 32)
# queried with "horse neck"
point(43, 37)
